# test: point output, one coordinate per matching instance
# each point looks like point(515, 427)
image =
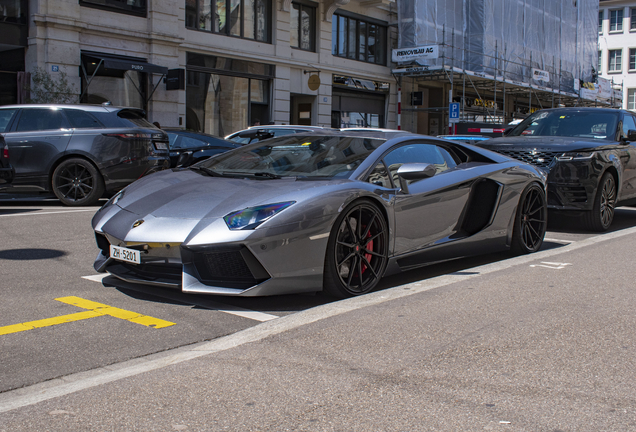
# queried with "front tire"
point(531, 221)
point(76, 182)
point(602, 214)
point(357, 251)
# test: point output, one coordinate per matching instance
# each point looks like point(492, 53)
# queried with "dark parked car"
point(6, 169)
point(187, 148)
point(80, 152)
point(588, 153)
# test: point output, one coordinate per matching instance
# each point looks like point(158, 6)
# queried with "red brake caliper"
point(368, 246)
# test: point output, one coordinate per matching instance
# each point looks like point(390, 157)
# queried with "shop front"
point(224, 95)
point(358, 102)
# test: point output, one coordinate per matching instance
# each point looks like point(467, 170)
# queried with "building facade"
point(495, 60)
point(211, 65)
point(617, 46)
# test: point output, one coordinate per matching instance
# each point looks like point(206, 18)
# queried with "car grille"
point(533, 157)
point(234, 267)
point(155, 272)
point(103, 244)
point(224, 265)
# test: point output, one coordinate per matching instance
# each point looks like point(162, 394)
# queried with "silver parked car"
point(80, 152)
point(319, 211)
point(259, 133)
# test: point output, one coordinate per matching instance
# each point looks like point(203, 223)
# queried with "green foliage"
point(47, 89)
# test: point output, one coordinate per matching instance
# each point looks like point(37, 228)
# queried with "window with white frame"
point(615, 63)
point(600, 21)
point(632, 59)
point(600, 62)
point(632, 19)
point(616, 20)
point(631, 98)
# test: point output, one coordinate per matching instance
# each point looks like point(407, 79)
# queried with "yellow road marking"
point(94, 310)
point(116, 312)
point(15, 328)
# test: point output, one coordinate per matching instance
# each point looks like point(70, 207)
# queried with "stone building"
point(211, 65)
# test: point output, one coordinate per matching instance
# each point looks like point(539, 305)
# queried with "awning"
point(122, 64)
point(108, 62)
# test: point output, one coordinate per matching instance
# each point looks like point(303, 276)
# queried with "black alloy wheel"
point(76, 182)
point(531, 221)
point(357, 252)
point(602, 214)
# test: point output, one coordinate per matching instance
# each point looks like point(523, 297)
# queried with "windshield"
point(296, 156)
point(594, 124)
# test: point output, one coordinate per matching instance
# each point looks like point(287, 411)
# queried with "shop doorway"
point(301, 110)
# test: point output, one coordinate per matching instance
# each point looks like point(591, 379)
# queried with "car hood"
point(544, 143)
point(186, 194)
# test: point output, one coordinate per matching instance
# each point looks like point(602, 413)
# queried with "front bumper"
point(572, 184)
point(280, 260)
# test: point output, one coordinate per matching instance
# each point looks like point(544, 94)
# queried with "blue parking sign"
point(453, 112)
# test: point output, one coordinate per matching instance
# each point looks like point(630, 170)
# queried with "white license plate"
point(125, 254)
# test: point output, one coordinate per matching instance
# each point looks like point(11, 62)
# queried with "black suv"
point(589, 155)
point(80, 152)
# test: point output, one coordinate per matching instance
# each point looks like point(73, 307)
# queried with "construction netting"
point(510, 38)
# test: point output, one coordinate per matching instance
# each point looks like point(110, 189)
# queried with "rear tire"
point(357, 251)
point(76, 182)
point(531, 221)
point(602, 214)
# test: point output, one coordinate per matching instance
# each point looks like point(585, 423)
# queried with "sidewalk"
point(516, 345)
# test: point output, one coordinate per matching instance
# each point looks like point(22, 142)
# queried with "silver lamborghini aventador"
point(319, 211)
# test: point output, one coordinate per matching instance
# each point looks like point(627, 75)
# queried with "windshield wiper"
point(267, 175)
point(206, 170)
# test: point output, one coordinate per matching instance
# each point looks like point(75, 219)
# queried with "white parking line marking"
point(46, 213)
point(232, 310)
point(566, 242)
point(96, 278)
point(551, 265)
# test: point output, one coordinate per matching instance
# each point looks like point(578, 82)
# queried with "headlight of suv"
point(576, 156)
point(252, 217)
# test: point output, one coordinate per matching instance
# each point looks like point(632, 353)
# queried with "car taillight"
point(129, 135)
point(5, 152)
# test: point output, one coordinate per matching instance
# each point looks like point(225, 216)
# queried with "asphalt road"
point(46, 256)
point(543, 342)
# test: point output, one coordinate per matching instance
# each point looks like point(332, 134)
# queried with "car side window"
point(39, 119)
point(187, 142)
point(628, 124)
point(81, 119)
point(281, 132)
point(5, 118)
point(380, 176)
point(418, 153)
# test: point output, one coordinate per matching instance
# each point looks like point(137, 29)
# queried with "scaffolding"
point(535, 53)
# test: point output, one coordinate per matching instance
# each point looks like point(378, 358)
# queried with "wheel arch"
point(381, 205)
point(66, 157)
point(611, 169)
